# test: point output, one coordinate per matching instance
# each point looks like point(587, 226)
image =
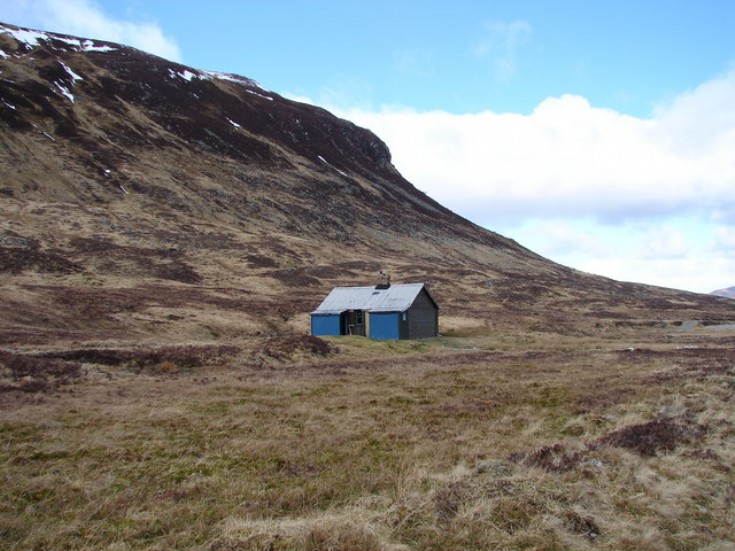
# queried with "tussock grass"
point(381, 446)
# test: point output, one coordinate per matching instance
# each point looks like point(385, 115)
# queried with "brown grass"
point(188, 356)
point(358, 445)
point(26, 373)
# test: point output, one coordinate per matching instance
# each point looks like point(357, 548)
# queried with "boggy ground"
point(475, 440)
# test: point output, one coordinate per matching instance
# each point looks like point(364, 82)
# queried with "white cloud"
point(568, 158)
point(663, 243)
point(416, 62)
point(569, 161)
point(701, 119)
point(724, 241)
point(694, 273)
point(500, 44)
point(682, 253)
point(87, 19)
point(343, 89)
point(563, 237)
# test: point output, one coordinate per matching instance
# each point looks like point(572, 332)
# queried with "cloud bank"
point(568, 158)
point(87, 19)
point(572, 179)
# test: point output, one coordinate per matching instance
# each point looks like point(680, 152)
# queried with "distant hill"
point(144, 199)
point(728, 292)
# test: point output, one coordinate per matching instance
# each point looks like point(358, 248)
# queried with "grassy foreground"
point(473, 441)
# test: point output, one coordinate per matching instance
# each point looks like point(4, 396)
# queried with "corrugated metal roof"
point(395, 298)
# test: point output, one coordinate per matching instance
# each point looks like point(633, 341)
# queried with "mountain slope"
point(728, 292)
point(142, 199)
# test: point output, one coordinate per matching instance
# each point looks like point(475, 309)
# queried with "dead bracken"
point(28, 373)
point(553, 458)
point(648, 439)
point(141, 359)
point(284, 347)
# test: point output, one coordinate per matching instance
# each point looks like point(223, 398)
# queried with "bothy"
point(404, 311)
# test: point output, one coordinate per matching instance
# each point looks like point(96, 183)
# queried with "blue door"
point(384, 325)
point(323, 326)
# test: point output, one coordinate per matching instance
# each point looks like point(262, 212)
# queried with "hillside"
point(142, 199)
point(728, 292)
point(164, 232)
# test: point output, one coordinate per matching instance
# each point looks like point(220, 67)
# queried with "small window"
point(358, 317)
point(405, 316)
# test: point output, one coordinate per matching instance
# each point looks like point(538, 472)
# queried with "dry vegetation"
point(158, 389)
point(475, 440)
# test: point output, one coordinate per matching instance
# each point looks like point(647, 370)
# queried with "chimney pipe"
point(383, 281)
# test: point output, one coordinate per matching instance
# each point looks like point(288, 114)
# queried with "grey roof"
point(396, 298)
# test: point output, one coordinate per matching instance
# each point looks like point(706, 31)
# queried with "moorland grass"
point(432, 445)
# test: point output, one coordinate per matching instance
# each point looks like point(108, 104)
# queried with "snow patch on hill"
point(31, 39)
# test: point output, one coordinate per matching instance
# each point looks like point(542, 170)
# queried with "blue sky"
point(600, 134)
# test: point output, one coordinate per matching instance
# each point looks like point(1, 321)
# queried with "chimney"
point(383, 281)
